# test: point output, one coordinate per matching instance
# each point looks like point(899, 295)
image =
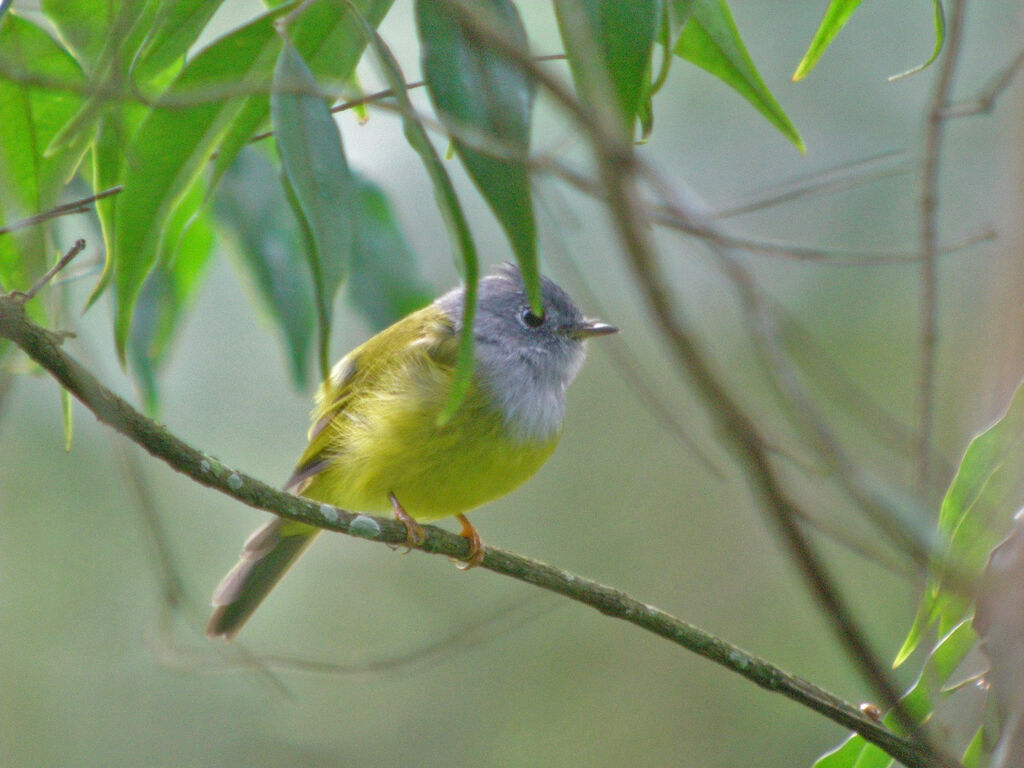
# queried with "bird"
point(378, 442)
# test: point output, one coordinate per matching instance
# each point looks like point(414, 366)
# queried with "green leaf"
point(330, 43)
point(313, 162)
point(184, 252)
point(113, 133)
point(975, 514)
point(269, 253)
point(177, 26)
point(919, 701)
point(481, 93)
point(666, 39)
point(84, 25)
point(610, 42)
point(679, 12)
point(30, 115)
point(939, 20)
point(385, 285)
point(172, 146)
point(108, 61)
point(195, 119)
point(975, 750)
point(835, 18)
point(855, 752)
point(711, 41)
point(448, 204)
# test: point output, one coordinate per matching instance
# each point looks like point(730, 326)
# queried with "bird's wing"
point(426, 332)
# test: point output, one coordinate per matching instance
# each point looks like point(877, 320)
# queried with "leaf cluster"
point(126, 101)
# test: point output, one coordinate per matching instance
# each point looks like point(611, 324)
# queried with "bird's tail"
point(267, 554)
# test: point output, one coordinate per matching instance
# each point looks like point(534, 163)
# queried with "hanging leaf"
point(610, 42)
point(171, 147)
point(711, 40)
point(835, 18)
point(313, 162)
point(939, 21)
point(178, 136)
point(85, 25)
point(174, 30)
point(385, 285)
point(182, 258)
point(269, 253)
point(447, 203)
point(975, 512)
point(30, 115)
point(479, 92)
point(331, 44)
point(919, 701)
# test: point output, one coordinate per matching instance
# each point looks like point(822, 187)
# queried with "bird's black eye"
point(531, 320)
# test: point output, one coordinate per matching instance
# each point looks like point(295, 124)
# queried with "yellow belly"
point(394, 445)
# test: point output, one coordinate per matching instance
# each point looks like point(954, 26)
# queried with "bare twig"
point(64, 260)
point(494, 624)
point(76, 206)
point(840, 177)
point(986, 99)
point(699, 221)
point(929, 203)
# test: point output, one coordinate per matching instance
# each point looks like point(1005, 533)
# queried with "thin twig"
point(497, 623)
point(44, 347)
point(990, 93)
point(76, 206)
point(830, 180)
point(64, 260)
point(929, 276)
point(387, 93)
point(701, 225)
point(628, 366)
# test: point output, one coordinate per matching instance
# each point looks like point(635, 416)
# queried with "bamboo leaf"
point(610, 41)
point(30, 115)
point(171, 147)
point(385, 285)
point(479, 92)
point(939, 21)
point(711, 40)
point(184, 252)
point(176, 27)
point(269, 253)
point(313, 162)
point(448, 204)
point(835, 18)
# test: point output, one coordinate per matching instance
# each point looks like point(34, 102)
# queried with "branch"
point(44, 347)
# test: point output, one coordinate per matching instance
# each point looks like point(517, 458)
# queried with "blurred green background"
point(88, 678)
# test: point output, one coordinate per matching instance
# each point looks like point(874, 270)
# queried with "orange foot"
point(414, 535)
point(476, 545)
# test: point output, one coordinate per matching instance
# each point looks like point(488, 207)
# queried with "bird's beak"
point(588, 328)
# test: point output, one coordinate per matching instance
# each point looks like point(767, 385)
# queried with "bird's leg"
point(476, 544)
point(414, 535)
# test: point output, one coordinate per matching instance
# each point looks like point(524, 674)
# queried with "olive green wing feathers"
point(427, 331)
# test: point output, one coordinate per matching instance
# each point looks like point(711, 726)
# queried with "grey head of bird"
point(525, 360)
